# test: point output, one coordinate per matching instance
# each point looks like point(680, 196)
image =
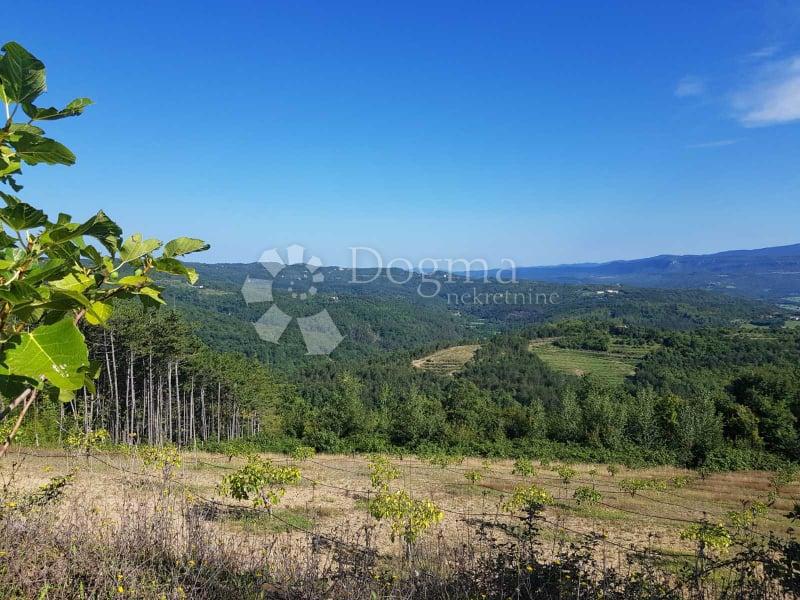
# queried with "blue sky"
point(543, 133)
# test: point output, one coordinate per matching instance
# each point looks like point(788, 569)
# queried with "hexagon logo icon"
point(320, 334)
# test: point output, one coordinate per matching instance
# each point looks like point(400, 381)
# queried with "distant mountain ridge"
point(766, 273)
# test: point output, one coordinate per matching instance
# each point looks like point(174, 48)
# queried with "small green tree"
point(783, 477)
point(87, 441)
point(51, 276)
point(259, 481)
point(680, 481)
point(633, 485)
point(530, 501)
point(163, 458)
point(443, 460)
point(303, 453)
point(530, 498)
point(587, 495)
point(707, 536)
point(524, 468)
point(566, 473)
point(746, 518)
point(409, 517)
point(381, 472)
point(473, 477)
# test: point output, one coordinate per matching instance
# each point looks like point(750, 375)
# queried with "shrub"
point(530, 498)
point(746, 518)
point(443, 460)
point(260, 481)
point(381, 472)
point(680, 481)
point(303, 453)
point(633, 485)
point(163, 458)
point(566, 473)
point(87, 441)
point(587, 495)
point(524, 468)
point(710, 535)
point(473, 476)
point(409, 517)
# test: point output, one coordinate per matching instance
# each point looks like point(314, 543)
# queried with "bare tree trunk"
point(150, 429)
point(219, 411)
point(178, 400)
point(191, 412)
point(160, 410)
point(169, 401)
point(112, 385)
point(203, 424)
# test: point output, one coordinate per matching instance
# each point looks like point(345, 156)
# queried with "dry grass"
point(334, 492)
point(447, 361)
point(122, 526)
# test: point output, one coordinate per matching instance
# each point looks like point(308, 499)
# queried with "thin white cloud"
point(690, 86)
point(762, 53)
point(772, 97)
point(714, 144)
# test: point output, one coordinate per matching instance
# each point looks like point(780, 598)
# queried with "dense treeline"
point(753, 379)
point(722, 398)
point(159, 384)
point(718, 397)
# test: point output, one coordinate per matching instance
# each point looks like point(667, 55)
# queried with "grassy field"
point(334, 493)
point(124, 526)
point(611, 366)
point(447, 361)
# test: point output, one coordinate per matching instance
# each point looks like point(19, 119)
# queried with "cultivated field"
point(611, 366)
point(448, 360)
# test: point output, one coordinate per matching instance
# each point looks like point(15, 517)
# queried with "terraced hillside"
point(447, 361)
point(611, 366)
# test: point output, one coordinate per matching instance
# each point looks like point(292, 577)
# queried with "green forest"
point(701, 395)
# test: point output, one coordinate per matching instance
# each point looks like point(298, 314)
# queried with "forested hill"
point(771, 274)
point(380, 315)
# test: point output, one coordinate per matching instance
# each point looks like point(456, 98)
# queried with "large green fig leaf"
point(56, 353)
point(184, 245)
point(135, 247)
point(176, 267)
point(22, 74)
point(73, 109)
point(35, 149)
point(22, 216)
point(100, 227)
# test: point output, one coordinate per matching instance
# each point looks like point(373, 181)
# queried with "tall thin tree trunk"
point(115, 388)
point(203, 425)
point(169, 401)
point(191, 412)
point(178, 401)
